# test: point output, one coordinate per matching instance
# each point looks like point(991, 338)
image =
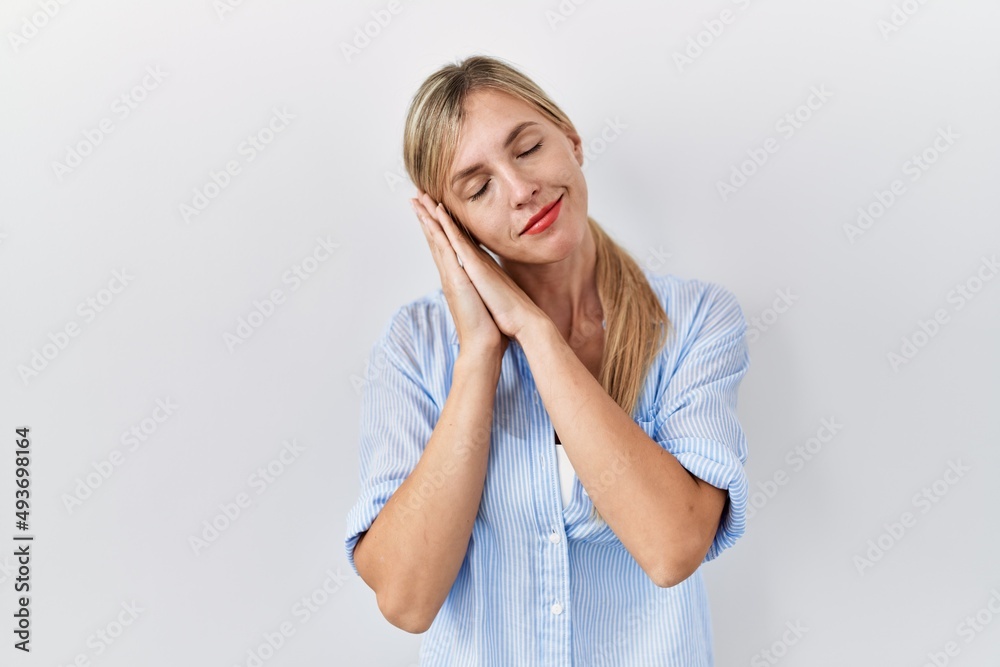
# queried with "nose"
point(523, 189)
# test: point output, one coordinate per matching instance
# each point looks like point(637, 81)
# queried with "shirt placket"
point(552, 601)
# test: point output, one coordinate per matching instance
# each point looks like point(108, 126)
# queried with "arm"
point(411, 554)
point(651, 485)
point(663, 515)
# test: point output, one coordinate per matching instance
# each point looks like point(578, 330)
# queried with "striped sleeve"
point(397, 419)
point(697, 422)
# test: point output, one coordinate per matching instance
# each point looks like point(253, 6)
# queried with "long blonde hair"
point(635, 322)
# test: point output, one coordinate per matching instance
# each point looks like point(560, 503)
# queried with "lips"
point(541, 214)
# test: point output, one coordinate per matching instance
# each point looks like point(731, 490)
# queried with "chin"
point(562, 242)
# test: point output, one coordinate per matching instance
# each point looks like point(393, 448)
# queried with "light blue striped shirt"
point(543, 584)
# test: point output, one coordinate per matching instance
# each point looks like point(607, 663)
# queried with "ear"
point(576, 144)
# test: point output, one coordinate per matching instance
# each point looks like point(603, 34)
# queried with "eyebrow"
point(507, 142)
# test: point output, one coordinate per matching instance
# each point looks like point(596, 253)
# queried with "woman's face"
point(515, 178)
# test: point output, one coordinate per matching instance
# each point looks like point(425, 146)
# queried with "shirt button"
point(557, 609)
point(554, 537)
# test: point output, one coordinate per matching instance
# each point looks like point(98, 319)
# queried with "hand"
point(511, 309)
point(475, 326)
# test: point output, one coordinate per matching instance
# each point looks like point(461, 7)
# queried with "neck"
point(565, 290)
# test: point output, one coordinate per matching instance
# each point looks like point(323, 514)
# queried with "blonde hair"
point(635, 321)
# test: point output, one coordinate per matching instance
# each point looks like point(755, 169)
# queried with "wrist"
point(535, 329)
point(477, 361)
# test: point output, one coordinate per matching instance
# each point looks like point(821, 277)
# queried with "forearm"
point(650, 501)
point(415, 547)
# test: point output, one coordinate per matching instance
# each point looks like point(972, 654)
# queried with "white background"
point(334, 172)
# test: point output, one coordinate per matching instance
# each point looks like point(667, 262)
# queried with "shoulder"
point(416, 327)
point(688, 301)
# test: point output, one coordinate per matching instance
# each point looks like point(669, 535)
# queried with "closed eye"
point(531, 150)
point(482, 191)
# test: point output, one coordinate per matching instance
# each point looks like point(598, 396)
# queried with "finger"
point(445, 253)
point(448, 225)
point(461, 241)
point(433, 246)
point(440, 215)
point(460, 235)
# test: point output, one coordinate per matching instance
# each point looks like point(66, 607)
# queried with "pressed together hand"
point(487, 305)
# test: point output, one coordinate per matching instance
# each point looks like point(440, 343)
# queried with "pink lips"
point(544, 218)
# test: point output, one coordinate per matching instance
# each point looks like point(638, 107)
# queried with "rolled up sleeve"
point(696, 420)
point(397, 419)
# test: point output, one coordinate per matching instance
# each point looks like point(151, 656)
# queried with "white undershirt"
point(566, 475)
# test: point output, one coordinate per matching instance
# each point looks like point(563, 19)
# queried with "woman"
point(470, 523)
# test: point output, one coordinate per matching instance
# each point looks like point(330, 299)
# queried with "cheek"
point(476, 237)
point(568, 171)
point(487, 234)
point(578, 181)
point(460, 218)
